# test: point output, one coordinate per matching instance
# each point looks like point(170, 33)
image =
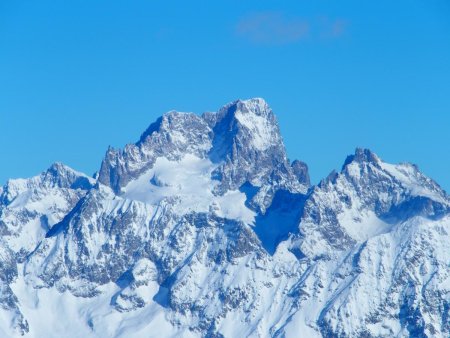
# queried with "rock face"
point(242, 140)
point(203, 228)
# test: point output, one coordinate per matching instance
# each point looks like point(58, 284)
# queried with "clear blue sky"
point(78, 76)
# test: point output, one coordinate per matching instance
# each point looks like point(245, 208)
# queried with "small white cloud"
point(278, 28)
point(272, 28)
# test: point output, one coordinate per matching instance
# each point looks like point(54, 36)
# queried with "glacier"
point(205, 228)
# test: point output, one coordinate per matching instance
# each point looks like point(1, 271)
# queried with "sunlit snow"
point(189, 182)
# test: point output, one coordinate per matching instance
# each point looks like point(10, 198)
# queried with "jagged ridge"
point(203, 228)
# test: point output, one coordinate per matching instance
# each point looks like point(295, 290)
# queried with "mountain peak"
point(253, 106)
point(173, 135)
point(362, 155)
point(248, 145)
point(252, 119)
point(62, 176)
point(59, 168)
point(172, 122)
point(242, 140)
point(257, 106)
point(367, 169)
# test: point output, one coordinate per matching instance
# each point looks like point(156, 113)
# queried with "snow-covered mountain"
point(203, 228)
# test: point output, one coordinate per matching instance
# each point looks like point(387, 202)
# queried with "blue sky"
point(78, 76)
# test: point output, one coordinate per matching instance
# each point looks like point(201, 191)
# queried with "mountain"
point(204, 228)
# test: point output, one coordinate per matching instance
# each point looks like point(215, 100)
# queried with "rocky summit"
point(204, 228)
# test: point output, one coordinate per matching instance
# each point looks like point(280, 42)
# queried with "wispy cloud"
point(272, 28)
point(338, 27)
point(331, 28)
point(279, 28)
